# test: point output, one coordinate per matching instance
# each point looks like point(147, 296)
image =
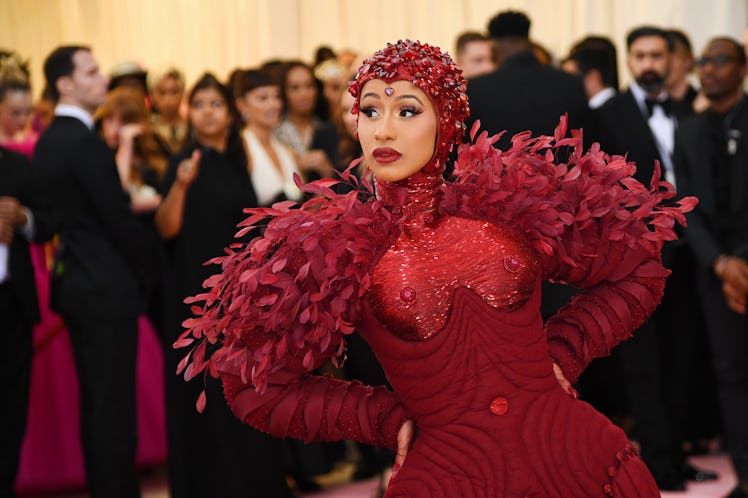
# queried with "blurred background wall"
point(219, 35)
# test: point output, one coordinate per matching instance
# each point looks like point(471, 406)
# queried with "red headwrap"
point(435, 73)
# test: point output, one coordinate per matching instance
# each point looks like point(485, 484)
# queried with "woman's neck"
point(416, 197)
point(263, 134)
point(300, 121)
point(218, 143)
point(169, 120)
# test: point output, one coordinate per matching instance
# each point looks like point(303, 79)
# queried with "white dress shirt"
point(662, 127)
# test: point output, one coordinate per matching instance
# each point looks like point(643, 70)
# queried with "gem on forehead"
point(389, 91)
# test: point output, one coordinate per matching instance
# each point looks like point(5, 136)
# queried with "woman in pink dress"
point(443, 280)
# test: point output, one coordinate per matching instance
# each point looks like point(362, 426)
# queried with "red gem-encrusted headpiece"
point(430, 70)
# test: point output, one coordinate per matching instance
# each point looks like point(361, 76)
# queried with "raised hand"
point(128, 132)
point(189, 168)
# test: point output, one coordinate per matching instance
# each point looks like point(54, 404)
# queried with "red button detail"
point(499, 406)
point(408, 295)
point(512, 264)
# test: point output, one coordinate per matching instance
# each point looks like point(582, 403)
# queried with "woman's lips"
point(386, 155)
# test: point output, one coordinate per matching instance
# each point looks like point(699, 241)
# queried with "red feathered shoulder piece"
point(571, 212)
point(285, 300)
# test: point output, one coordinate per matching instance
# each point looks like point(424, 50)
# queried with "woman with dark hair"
point(207, 186)
point(272, 164)
point(304, 127)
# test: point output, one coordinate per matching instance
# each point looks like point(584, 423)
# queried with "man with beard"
point(710, 159)
point(640, 123)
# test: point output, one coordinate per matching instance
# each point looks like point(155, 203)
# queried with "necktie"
point(667, 105)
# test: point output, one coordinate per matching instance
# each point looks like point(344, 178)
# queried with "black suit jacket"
point(622, 129)
point(105, 258)
point(17, 180)
point(694, 158)
point(524, 95)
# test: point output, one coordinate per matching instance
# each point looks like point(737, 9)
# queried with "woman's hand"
point(404, 441)
point(128, 133)
point(188, 169)
point(564, 382)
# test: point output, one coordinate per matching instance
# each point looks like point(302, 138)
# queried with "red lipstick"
point(386, 155)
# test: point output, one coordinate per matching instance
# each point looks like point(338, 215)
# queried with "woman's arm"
point(601, 317)
point(170, 213)
point(126, 152)
point(591, 223)
point(314, 408)
point(281, 307)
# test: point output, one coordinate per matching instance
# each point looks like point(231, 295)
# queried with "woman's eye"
point(408, 112)
point(369, 112)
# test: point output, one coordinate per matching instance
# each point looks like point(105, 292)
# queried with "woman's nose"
point(384, 130)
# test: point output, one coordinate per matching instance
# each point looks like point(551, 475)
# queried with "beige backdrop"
point(219, 35)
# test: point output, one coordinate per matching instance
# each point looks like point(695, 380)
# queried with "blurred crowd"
point(117, 186)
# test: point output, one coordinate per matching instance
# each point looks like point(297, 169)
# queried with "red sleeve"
point(314, 408)
point(601, 317)
point(281, 307)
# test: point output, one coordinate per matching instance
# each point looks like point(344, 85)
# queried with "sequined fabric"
point(414, 282)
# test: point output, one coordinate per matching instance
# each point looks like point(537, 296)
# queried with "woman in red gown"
point(443, 280)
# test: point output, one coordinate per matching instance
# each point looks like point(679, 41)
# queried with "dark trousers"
point(104, 349)
point(15, 377)
point(657, 364)
point(728, 337)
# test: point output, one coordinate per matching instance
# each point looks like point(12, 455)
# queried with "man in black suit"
point(711, 161)
point(640, 123)
point(19, 308)
point(101, 268)
point(522, 94)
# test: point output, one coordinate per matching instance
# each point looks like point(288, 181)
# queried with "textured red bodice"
point(414, 283)
point(454, 319)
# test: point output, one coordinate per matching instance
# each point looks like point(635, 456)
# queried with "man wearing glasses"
point(711, 161)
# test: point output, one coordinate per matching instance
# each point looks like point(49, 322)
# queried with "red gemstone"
point(499, 406)
point(512, 264)
point(408, 295)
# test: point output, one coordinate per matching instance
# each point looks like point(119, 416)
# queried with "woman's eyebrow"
point(407, 96)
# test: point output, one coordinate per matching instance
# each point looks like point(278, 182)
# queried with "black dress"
point(211, 454)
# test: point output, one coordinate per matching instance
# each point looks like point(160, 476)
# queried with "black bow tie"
point(667, 105)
